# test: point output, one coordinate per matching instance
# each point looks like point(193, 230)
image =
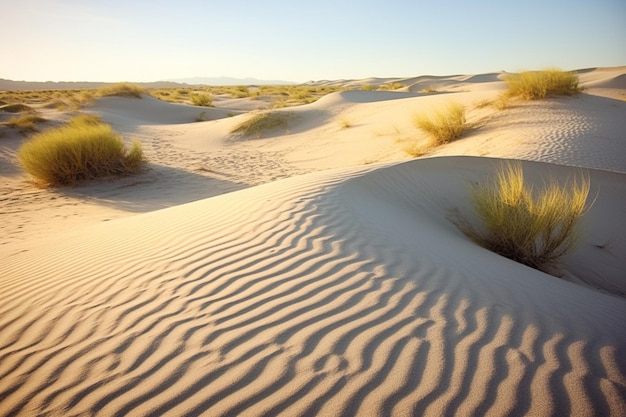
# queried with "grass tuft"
point(533, 227)
point(16, 108)
point(445, 124)
point(201, 99)
point(26, 123)
point(123, 90)
point(83, 149)
point(537, 85)
point(262, 122)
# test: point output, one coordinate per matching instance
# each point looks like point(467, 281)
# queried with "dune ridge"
point(345, 291)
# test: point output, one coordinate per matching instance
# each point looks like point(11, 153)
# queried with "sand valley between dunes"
point(313, 270)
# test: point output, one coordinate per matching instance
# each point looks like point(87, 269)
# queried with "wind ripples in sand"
point(282, 301)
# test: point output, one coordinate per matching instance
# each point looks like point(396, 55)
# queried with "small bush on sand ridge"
point(83, 149)
point(26, 123)
point(123, 90)
point(535, 228)
point(536, 85)
point(445, 124)
point(260, 123)
point(16, 108)
point(201, 99)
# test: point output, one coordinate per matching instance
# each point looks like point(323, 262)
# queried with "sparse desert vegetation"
point(83, 149)
point(536, 85)
point(533, 227)
point(345, 123)
point(260, 123)
point(122, 90)
point(16, 108)
point(444, 124)
point(201, 99)
point(26, 123)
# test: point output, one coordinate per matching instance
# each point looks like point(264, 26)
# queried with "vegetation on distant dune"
point(26, 122)
point(444, 124)
point(201, 99)
point(261, 122)
point(535, 228)
point(536, 85)
point(16, 108)
point(123, 90)
point(83, 149)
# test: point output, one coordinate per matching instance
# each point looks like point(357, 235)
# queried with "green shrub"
point(536, 85)
point(445, 124)
point(123, 90)
point(83, 149)
point(533, 227)
point(201, 99)
point(260, 123)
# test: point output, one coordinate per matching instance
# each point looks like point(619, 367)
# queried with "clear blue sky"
point(142, 40)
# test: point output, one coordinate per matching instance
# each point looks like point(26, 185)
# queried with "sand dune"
point(343, 291)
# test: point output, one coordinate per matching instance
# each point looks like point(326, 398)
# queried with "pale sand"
point(345, 291)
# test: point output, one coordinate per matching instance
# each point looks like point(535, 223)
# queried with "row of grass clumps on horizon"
point(533, 227)
point(83, 149)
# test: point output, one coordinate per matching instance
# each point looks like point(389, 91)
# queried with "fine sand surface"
point(313, 270)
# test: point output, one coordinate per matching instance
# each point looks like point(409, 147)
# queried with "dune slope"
point(342, 293)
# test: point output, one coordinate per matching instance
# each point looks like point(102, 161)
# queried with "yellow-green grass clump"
point(123, 90)
point(536, 85)
point(201, 99)
point(26, 122)
point(83, 149)
point(533, 227)
point(444, 124)
point(262, 122)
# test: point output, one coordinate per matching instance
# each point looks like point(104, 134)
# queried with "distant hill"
point(229, 81)
point(11, 85)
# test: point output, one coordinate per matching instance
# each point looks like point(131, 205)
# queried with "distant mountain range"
point(70, 85)
point(229, 81)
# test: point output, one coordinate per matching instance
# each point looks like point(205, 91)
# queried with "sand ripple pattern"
point(567, 133)
point(287, 299)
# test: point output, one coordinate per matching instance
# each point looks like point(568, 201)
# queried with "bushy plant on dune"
point(83, 149)
point(444, 124)
point(26, 122)
point(201, 99)
point(536, 85)
point(123, 90)
point(262, 122)
point(16, 108)
point(530, 226)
